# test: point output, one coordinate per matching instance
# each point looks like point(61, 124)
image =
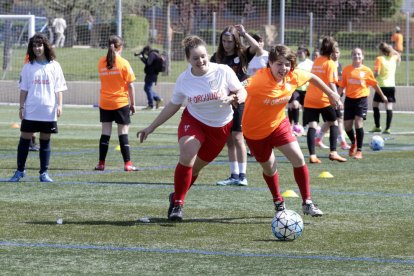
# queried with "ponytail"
point(114, 43)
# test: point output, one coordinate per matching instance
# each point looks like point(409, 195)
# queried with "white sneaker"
point(228, 181)
point(242, 182)
point(311, 209)
point(319, 143)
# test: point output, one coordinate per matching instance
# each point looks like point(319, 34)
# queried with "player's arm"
point(131, 96)
point(334, 98)
point(168, 111)
point(22, 100)
point(60, 103)
point(254, 45)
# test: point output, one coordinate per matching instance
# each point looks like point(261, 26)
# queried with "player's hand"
point(59, 110)
point(385, 100)
point(228, 99)
point(143, 134)
point(240, 28)
point(132, 109)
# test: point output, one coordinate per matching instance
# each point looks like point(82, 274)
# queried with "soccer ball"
point(287, 225)
point(298, 130)
point(377, 143)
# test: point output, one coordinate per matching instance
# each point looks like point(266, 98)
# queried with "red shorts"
point(212, 139)
point(262, 149)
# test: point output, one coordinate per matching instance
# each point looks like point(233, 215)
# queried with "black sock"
point(333, 136)
point(103, 146)
point(310, 137)
point(124, 145)
point(376, 116)
point(351, 135)
point(22, 152)
point(290, 115)
point(359, 137)
point(389, 118)
point(44, 155)
point(295, 115)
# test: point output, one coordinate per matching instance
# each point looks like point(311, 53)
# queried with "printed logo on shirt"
point(186, 127)
point(40, 81)
point(361, 74)
point(271, 101)
point(212, 96)
point(213, 84)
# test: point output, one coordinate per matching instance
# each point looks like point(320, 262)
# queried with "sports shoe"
point(387, 131)
point(314, 160)
point(375, 129)
point(242, 181)
point(33, 147)
point(309, 208)
point(228, 181)
point(279, 206)
point(158, 103)
point(100, 166)
point(44, 177)
point(319, 143)
point(170, 198)
point(17, 176)
point(358, 155)
point(176, 213)
point(250, 154)
point(352, 150)
point(336, 157)
point(129, 167)
point(148, 108)
point(345, 146)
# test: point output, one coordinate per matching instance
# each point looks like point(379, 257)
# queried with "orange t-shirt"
point(327, 71)
point(397, 38)
point(114, 83)
point(266, 101)
point(356, 81)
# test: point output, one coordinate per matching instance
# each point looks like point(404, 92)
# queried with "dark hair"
point(38, 39)
point(385, 49)
point(284, 51)
point(305, 49)
point(328, 46)
point(146, 49)
point(238, 47)
point(257, 37)
point(114, 43)
point(191, 42)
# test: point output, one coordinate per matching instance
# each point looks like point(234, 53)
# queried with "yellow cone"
point(15, 125)
point(289, 193)
point(118, 148)
point(326, 175)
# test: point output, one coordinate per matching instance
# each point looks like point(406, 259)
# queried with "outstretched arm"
point(254, 45)
point(334, 98)
point(169, 110)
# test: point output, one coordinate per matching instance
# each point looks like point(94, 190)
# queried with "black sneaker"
point(176, 213)
point(170, 197)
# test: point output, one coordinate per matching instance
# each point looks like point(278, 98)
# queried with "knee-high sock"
point(22, 152)
point(182, 182)
point(310, 137)
point(124, 145)
point(376, 116)
point(351, 135)
point(193, 179)
point(273, 184)
point(103, 146)
point(302, 179)
point(359, 138)
point(295, 115)
point(389, 118)
point(333, 136)
point(44, 155)
point(290, 115)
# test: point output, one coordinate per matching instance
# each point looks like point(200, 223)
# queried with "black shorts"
point(389, 92)
point(38, 126)
point(237, 118)
point(312, 114)
point(355, 107)
point(120, 116)
point(299, 96)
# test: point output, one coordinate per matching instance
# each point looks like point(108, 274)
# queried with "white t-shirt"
point(203, 94)
point(42, 82)
point(257, 62)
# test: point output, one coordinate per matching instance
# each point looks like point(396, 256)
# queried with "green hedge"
point(364, 40)
point(135, 30)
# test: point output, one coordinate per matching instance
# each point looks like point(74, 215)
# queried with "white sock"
point(242, 167)
point(234, 167)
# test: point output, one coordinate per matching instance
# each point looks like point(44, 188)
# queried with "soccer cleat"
point(358, 155)
point(279, 206)
point(314, 160)
point(376, 129)
point(352, 150)
point(100, 166)
point(319, 143)
point(44, 177)
point(387, 131)
point(170, 198)
point(33, 147)
point(309, 208)
point(242, 182)
point(345, 146)
point(336, 157)
point(17, 176)
point(129, 167)
point(158, 103)
point(176, 213)
point(228, 181)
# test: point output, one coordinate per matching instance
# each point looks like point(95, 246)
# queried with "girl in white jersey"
point(209, 90)
point(41, 86)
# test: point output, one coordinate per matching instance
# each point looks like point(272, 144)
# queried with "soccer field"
point(367, 228)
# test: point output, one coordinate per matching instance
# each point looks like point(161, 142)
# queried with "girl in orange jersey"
point(317, 103)
point(117, 101)
point(356, 79)
point(268, 93)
